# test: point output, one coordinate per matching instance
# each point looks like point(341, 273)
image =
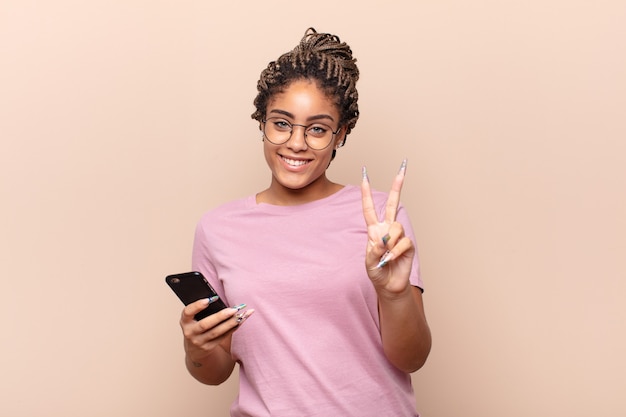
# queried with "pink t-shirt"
point(313, 346)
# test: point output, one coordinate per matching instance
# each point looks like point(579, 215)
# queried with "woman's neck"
point(279, 195)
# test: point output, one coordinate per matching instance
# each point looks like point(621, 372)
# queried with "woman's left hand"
point(389, 254)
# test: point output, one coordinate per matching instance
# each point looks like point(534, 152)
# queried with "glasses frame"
point(306, 127)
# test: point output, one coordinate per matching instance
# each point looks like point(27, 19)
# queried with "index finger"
point(369, 210)
point(194, 308)
point(393, 200)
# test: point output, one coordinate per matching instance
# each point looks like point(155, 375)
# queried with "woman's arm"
point(404, 330)
point(212, 369)
point(207, 342)
point(389, 259)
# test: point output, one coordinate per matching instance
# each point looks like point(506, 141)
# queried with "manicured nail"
point(402, 167)
point(364, 173)
point(386, 239)
point(241, 317)
point(384, 260)
point(239, 307)
point(214, 299)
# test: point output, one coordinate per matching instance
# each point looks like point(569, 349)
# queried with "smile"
point(295, 162)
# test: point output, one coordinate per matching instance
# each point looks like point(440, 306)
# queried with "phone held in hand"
point(193, 286)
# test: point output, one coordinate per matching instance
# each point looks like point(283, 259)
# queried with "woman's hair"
point(321, 57)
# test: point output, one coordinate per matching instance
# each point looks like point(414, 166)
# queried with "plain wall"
point(121, 122)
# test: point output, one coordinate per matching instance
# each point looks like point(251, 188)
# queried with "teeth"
point(293, 162)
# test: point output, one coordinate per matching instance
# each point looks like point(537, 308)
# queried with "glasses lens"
point(317, 135)
point(277, 131)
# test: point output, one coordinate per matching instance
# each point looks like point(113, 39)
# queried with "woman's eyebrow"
point(311, 118)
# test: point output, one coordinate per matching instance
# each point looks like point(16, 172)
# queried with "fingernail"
point(214, 299)
point(239, 307)
point(402, 167)
point(384, 260)
point(364, 173)
point(386, 239)
point(241, 317)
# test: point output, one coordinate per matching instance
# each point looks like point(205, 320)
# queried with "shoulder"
point(351, 192)
point(227, 210)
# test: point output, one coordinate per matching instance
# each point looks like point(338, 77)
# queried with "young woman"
point(330, 270)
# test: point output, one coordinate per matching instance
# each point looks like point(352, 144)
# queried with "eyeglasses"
point(316, 135)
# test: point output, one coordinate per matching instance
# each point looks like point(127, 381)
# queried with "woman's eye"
point(282, 125)
point(318, 130)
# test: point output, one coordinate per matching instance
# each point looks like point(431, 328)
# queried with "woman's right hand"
point(204, 336)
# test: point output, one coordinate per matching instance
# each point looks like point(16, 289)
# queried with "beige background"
point(122, 121)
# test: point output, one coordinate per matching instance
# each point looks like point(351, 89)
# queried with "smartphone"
point(193, 286)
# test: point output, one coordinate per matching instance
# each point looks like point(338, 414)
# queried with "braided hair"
point(321, 57)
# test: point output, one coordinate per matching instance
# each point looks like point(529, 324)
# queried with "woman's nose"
point(297, 140)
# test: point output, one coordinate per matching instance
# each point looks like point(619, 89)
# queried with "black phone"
point(193, 286)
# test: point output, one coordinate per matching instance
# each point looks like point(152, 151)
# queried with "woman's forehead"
point(303, 96)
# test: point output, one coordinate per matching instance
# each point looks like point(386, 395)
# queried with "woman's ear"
point(340, 138)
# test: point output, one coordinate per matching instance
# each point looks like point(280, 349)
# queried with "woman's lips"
point(295, 162)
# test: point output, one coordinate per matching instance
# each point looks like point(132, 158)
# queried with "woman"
point(339, 323)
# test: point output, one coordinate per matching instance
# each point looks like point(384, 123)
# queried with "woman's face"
point(296, 166)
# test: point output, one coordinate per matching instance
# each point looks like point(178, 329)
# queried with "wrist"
point(385, 295)
point(197, 356)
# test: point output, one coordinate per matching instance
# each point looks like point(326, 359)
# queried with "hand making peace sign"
point(389, 252)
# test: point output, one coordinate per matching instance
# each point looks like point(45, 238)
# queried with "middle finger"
point(393, 200)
